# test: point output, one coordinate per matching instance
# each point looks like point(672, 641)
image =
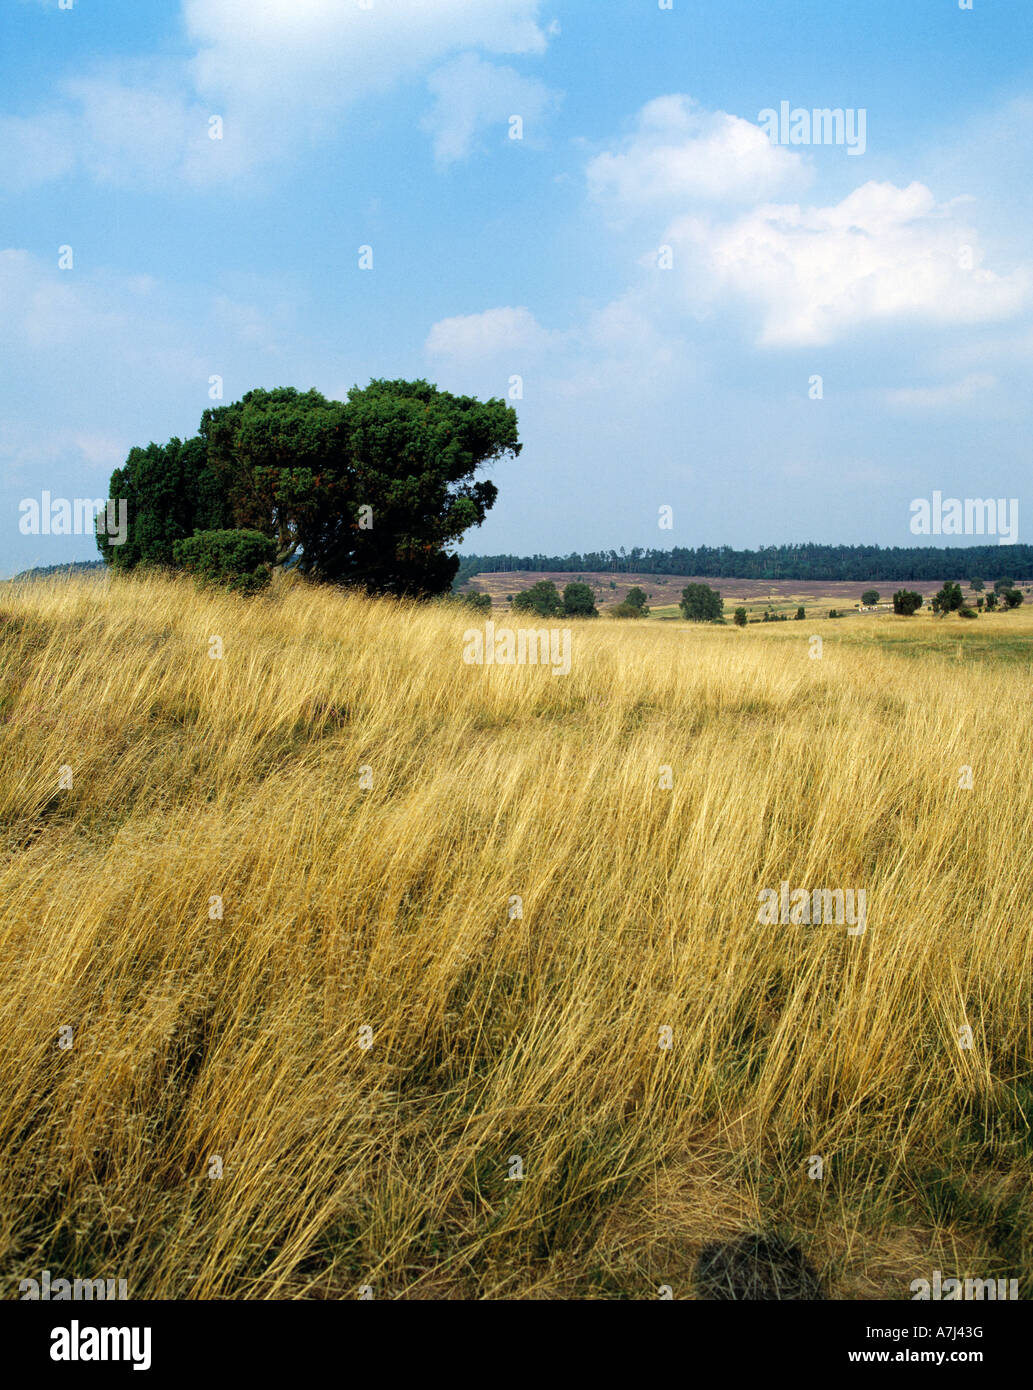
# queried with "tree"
point(701, 604)
point(949, 599)
point(870, 598)
point(991, 602)
point(542, 598)
point(170, 492)
point(1012, 597)
point(907, 602)
point(237, 560)
point(637, 598)
point(1000, 585)
point(739, 617)
point(368, 491)
point(800, 614)
point(976, 585)
point(579, 601)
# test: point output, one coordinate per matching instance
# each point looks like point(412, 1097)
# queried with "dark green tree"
point(800, 613)
point(739, 617)
point(870, 598)
point(1012, 597)
point(636, 597)
point(369, 491)
point(171, 491)
point(579, 601)
point(949, 599)
point(701, 604)
point(991, 602)
point(906, 602)
point(976, 585)
point(542, 598)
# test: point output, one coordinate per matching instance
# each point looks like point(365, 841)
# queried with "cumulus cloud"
point(681, 153)
point(474, 337)
point(275, 72)
point(883, 255)
point(471, 94)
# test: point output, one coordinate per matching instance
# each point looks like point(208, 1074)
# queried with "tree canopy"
point(369, 491)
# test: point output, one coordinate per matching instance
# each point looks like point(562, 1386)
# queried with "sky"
point(575, 205)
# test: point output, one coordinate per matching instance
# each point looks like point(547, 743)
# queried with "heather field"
point(331, 960)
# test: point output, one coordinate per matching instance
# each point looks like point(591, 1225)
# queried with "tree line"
point(805, 561)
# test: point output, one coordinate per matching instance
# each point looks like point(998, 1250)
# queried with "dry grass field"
point(367, 809)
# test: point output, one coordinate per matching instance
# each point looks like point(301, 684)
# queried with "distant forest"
point(808, 562)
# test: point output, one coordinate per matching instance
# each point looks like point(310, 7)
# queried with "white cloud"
point(471, 94)
point(680, 152)
point(882, 255)
point(474, 337)
point(940, 397)
point(276, 72)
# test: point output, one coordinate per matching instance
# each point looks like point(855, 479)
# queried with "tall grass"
point(494, 1035)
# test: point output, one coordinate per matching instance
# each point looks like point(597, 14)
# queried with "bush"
point(833, 613)
point(1012, 597)
point(800, 614)
point(542, 598)
point(238, 560)
point(906, 602)
point(949, 599)
point(701, 604)
point(739, 617)
point(627, 610)
point(579, 601)
point(480, 602)
point(965, 612)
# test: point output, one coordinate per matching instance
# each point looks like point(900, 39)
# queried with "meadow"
point(314, 939)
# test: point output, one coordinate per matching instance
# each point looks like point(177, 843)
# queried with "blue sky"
point(901, 275)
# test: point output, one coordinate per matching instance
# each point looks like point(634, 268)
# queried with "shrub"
point(906, 602)
point(579, 601)
point(800, 614)
point(701, 604)
point(833, 613)
point(238, 560)
point(542, 598)
point(1012, 597)
point(739, 617)
point(949, 599)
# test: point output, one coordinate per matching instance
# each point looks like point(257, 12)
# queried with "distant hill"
point(56, 571)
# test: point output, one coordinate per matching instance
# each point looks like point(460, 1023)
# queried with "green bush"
point(579, 601)
point(702, 604)
point(906, 602)
point(237, 560)
point(542, 598)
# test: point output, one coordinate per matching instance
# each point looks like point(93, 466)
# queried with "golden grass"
point(538, 1036)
